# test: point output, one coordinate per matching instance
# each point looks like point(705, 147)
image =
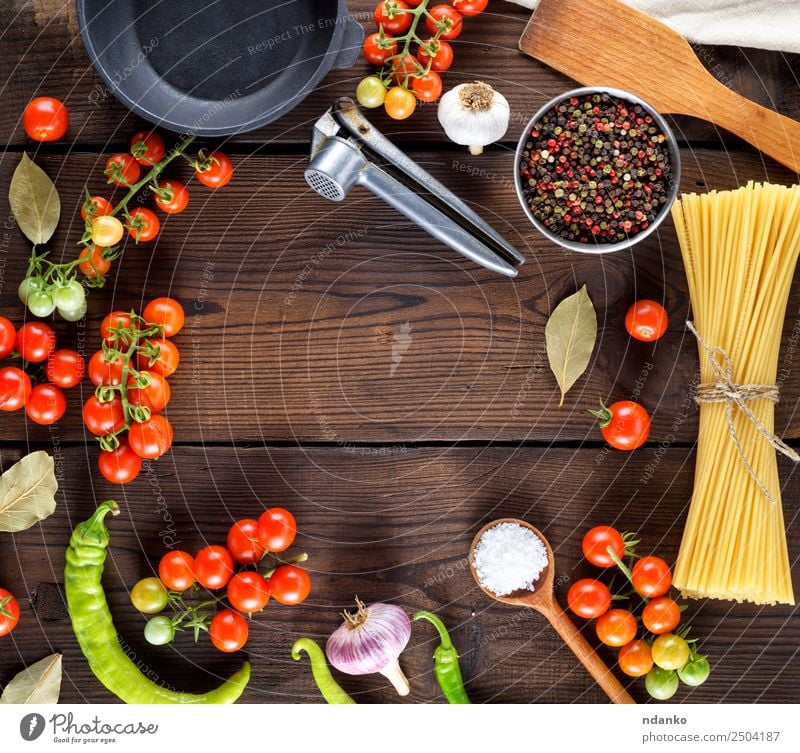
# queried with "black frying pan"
point(216, 67)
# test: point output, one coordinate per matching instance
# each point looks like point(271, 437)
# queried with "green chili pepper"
point(330, 689)
point(445, 662)
point(95, 631)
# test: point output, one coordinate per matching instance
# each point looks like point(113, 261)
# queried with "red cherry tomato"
point(103, 418)
point(589, 598)
point(174, 197)
point(112, 321)
point(102, 371)
point(289, 585)
point(65, 368)
point(9, 612)
point(213, 567)
point(218, 171)
point(248, 592)
point(652, 577)
point(470, 8)
point(616, 627)
point(147, 148)
point(661, 615)
point(276, 530)
point(176, 570)
point(646, 320)
point(122, 170)
point(45, 119)
point(15, 388)
point(46, 404)
point(166, 313)
point(8, 337)
point(377, 51)
point(596, 543)
point(389, 15)
point(152, 438)
point(165, 362)
point(96, 206)
point(243, 542)
point(92, 264)
point(119, 466)
point(427, 88)
point(444, 17)
point(155, 396)
point(228, 631)
point(404, 66)
point(625, 425)
point(442, 55)
point(143, 224)
point(635, 658)
point(35, 341)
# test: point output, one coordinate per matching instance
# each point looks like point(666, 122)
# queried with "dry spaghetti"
point(740, 249)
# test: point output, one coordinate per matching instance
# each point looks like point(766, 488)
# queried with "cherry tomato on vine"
point(427, 88)
point(147, 148)
point(652, 577)
point(646, 320)
point(103, 371)
point(176, 570)
point(625, 425)
point(377, 51)
point(152, 438)
point(243, 543)
point(165, 362)
point(589, 598)
point(46, 404)
point(661, 684)
point(114, 320)
point(45, 119)
point(9, 612)
point(15, 388)
point(121, 465)
point(96, 206)
point(635, 658)
point(218, 172)
point(389, 16)
point(442, 57)
point(65, 368)
point(103, 418)
point(175, 197)
point(248, 592)
point(166, 313)
point(616, 627)
point(404, 66)
point(400, 103)
point(596, 542)
point(661, 615)
point(371, 92)
point(106, 231)
point(159, 631)
point(149, 596)
point(470, 8)
point(8, 337)
point(276, 529)
point(92, 264)
point(444, 17)
point(228, 631)
point(143, 224)
point(289, 585)
point(35, 341)
point(670, 651)
point(122, 170)
point(213, 567)
point(155, 396)
point(695, 672)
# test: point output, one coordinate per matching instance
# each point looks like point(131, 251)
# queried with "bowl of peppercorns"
point(597, 170)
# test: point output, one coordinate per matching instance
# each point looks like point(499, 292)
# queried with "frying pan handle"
point(351, 44)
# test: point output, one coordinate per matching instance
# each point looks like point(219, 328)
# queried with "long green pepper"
point(94, 626)
point(331, 690)
point(445, 661)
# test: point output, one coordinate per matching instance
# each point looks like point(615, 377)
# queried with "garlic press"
point(345, 152)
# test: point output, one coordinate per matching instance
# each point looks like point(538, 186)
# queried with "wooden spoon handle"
point(586, 655)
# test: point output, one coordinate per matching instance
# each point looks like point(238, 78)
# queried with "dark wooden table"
point(289, 393)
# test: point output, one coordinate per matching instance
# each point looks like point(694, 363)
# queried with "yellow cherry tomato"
point(106, 231)
point(400, 103)
point(670, 651)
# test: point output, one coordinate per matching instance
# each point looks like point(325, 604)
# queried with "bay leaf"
point(34, 201)
point(39, 683)
point(27, 492)
point(570, 335)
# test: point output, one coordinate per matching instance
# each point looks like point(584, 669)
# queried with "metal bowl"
point(674, 158)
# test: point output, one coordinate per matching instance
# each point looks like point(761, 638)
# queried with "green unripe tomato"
point(159, 631)
point(27, 286)
point(370, 92)
point(69, 297)
point(661, 684)
point(695, 672)
point(73, 315)
point(670, 651)
point(40, 303)
point(149, 596)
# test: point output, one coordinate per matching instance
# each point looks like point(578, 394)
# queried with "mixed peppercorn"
point(596, 168)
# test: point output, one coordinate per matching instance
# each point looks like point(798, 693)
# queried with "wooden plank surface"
point(393, 526)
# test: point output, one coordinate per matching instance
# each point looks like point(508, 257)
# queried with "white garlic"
point(474, 115)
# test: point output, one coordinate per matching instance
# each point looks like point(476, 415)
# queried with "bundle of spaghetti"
point(739, 250)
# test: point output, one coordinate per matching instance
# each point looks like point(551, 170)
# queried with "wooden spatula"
point(608, 43)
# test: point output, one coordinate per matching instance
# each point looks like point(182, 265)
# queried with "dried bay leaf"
point(39, 683)
point(570, 335)
point(34, 201)
point(27, 492)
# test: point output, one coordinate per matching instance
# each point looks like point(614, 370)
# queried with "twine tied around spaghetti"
point(724, 390)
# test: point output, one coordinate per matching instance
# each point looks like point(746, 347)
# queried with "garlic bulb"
point(371, 640)
point(474, 115)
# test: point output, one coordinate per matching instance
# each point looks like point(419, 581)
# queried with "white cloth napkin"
point(768, 24)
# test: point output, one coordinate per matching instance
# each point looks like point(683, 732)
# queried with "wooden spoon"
point(608, 43)
point(543, 600)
